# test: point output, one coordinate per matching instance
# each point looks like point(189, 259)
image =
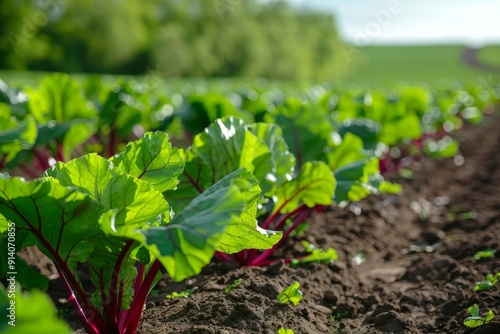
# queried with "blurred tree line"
point(202, 38)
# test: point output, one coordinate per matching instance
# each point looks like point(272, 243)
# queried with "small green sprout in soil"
point(285, 331)
point(185, 293)
point(338, 315)
point(484, 254)
point(291, 294)
point(475, 320)
point(490, 281)
point(234, 285)
point(316, 255)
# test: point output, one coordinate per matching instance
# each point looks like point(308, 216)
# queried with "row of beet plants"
point(238, 191)
point(64, 118)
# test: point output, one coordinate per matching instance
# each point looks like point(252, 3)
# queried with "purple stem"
point(2, 161)
point(224, 257)
point(297, 221)
point(142, 292)
point(111, 143)
point(114, 298)
point(87, 323)
point(60, 152)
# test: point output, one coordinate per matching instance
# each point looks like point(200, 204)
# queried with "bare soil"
point(405, 262)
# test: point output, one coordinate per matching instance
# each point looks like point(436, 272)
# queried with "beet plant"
point(291, 192)
point(111, 215)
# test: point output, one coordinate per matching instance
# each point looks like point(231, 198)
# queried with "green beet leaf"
point(59, 98)
point(443, 148)
point(135, 204)
point(194, 234)
point(136, 201)
point(26, 275)
point(358, 179)
point(152, 159)
point(70, 133)
point(349, 150)
point(283, 161)
point(484, 254)
point(199, 111)
point(62, 112)
point(315, 185)
point(222, 148)
point(317, 255)
point(63, 218)
point(90, 210)
point(306, 129)
point(16, 136)
point(488, 283)
point(33, 312)
point(406, 127)
point(366, 129)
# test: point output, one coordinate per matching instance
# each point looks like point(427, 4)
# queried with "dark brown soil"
point(418, 274)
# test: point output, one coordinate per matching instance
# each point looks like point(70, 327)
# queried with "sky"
point(375, 22)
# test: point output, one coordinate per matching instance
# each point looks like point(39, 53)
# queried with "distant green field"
point(490, 55)
point(369, 66)
point(385, 64)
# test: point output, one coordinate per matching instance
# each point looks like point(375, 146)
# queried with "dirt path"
point(470, 56)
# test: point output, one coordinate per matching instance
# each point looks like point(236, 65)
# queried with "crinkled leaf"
point(218, 151)
point(221, 149)
point(243, 232)
point(291, 294)
point(152, 159)
point(34, 313)
point(306, 129)
point(283, 161)
point(63, 218)
point(126, 204)
point(315, 185)
point(188, 242)
point(136, 202)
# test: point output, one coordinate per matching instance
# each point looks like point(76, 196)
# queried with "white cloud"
point(422, 21)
